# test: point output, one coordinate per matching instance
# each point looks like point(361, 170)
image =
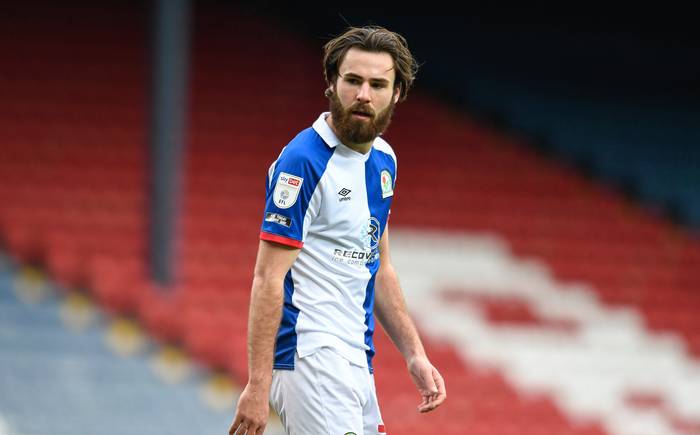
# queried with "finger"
point(426, 407)
point(425, 403)
point(237, 420)
point(427, 399)
point(440, 383)
point(429, 406)
point(430, 403)
point(240, 429)
point(428, 381)
point(438, 401)
point(442, 391)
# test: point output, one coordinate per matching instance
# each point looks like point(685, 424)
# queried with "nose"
point(363, 94)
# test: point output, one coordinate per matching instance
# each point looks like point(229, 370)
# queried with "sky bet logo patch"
point(278, 219)
point(287, 190)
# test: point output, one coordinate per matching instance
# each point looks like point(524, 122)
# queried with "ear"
point(329, 90)
point(397, 94)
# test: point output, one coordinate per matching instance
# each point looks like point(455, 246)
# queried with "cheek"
point(385, 103)
point(347, 98)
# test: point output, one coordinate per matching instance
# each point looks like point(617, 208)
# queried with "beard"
point(352, 131)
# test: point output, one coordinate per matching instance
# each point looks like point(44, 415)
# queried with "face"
point(363, 97)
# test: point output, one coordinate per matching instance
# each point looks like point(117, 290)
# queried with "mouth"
point(361, 115)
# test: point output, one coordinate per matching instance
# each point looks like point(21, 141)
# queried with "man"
point(323, 263)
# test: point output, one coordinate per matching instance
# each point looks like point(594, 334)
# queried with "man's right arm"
point(273, 262)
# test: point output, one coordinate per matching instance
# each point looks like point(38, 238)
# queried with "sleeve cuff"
point(280, 239)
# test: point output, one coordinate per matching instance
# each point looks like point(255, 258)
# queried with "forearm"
point(390, 310)
point(263, 323)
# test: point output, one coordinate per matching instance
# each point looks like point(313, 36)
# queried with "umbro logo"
point(344, 195)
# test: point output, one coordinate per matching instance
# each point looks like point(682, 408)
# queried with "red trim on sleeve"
point(381, 428)
point(281, 239)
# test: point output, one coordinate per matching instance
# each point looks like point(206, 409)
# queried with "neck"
point(362, 148)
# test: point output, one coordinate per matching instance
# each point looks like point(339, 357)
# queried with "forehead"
point(368, 64)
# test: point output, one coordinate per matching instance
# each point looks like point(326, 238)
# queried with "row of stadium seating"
point(648, 147)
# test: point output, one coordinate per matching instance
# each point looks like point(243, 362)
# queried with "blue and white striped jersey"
point(333, 203)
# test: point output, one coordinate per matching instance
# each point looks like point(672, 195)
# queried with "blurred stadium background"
point(545, 225)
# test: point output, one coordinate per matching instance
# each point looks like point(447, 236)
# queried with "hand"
point(252, 412)
point(429, 383)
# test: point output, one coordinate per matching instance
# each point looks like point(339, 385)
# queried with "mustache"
point(362, 108)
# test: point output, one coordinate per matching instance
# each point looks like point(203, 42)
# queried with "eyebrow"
point(357, 76)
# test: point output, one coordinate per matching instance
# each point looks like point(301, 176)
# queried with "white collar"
point(325, 131)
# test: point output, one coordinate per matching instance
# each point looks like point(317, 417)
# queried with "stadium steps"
point(63, 381)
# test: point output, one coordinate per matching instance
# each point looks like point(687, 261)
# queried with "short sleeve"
point(293, 194)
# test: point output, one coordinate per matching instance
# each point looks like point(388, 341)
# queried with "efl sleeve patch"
point(287, 190)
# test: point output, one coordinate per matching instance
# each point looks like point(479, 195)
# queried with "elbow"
point(386, 273)
point(268, 282)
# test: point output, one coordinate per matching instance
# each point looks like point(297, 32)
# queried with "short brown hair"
point(375, 39)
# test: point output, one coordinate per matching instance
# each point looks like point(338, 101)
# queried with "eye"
point(378, 85)
point(352, 81)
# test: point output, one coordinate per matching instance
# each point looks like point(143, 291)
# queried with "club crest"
point(387, 184)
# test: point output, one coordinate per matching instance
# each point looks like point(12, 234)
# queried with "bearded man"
point(323, 270)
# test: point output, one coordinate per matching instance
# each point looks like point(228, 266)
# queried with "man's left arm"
point(390, 310)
